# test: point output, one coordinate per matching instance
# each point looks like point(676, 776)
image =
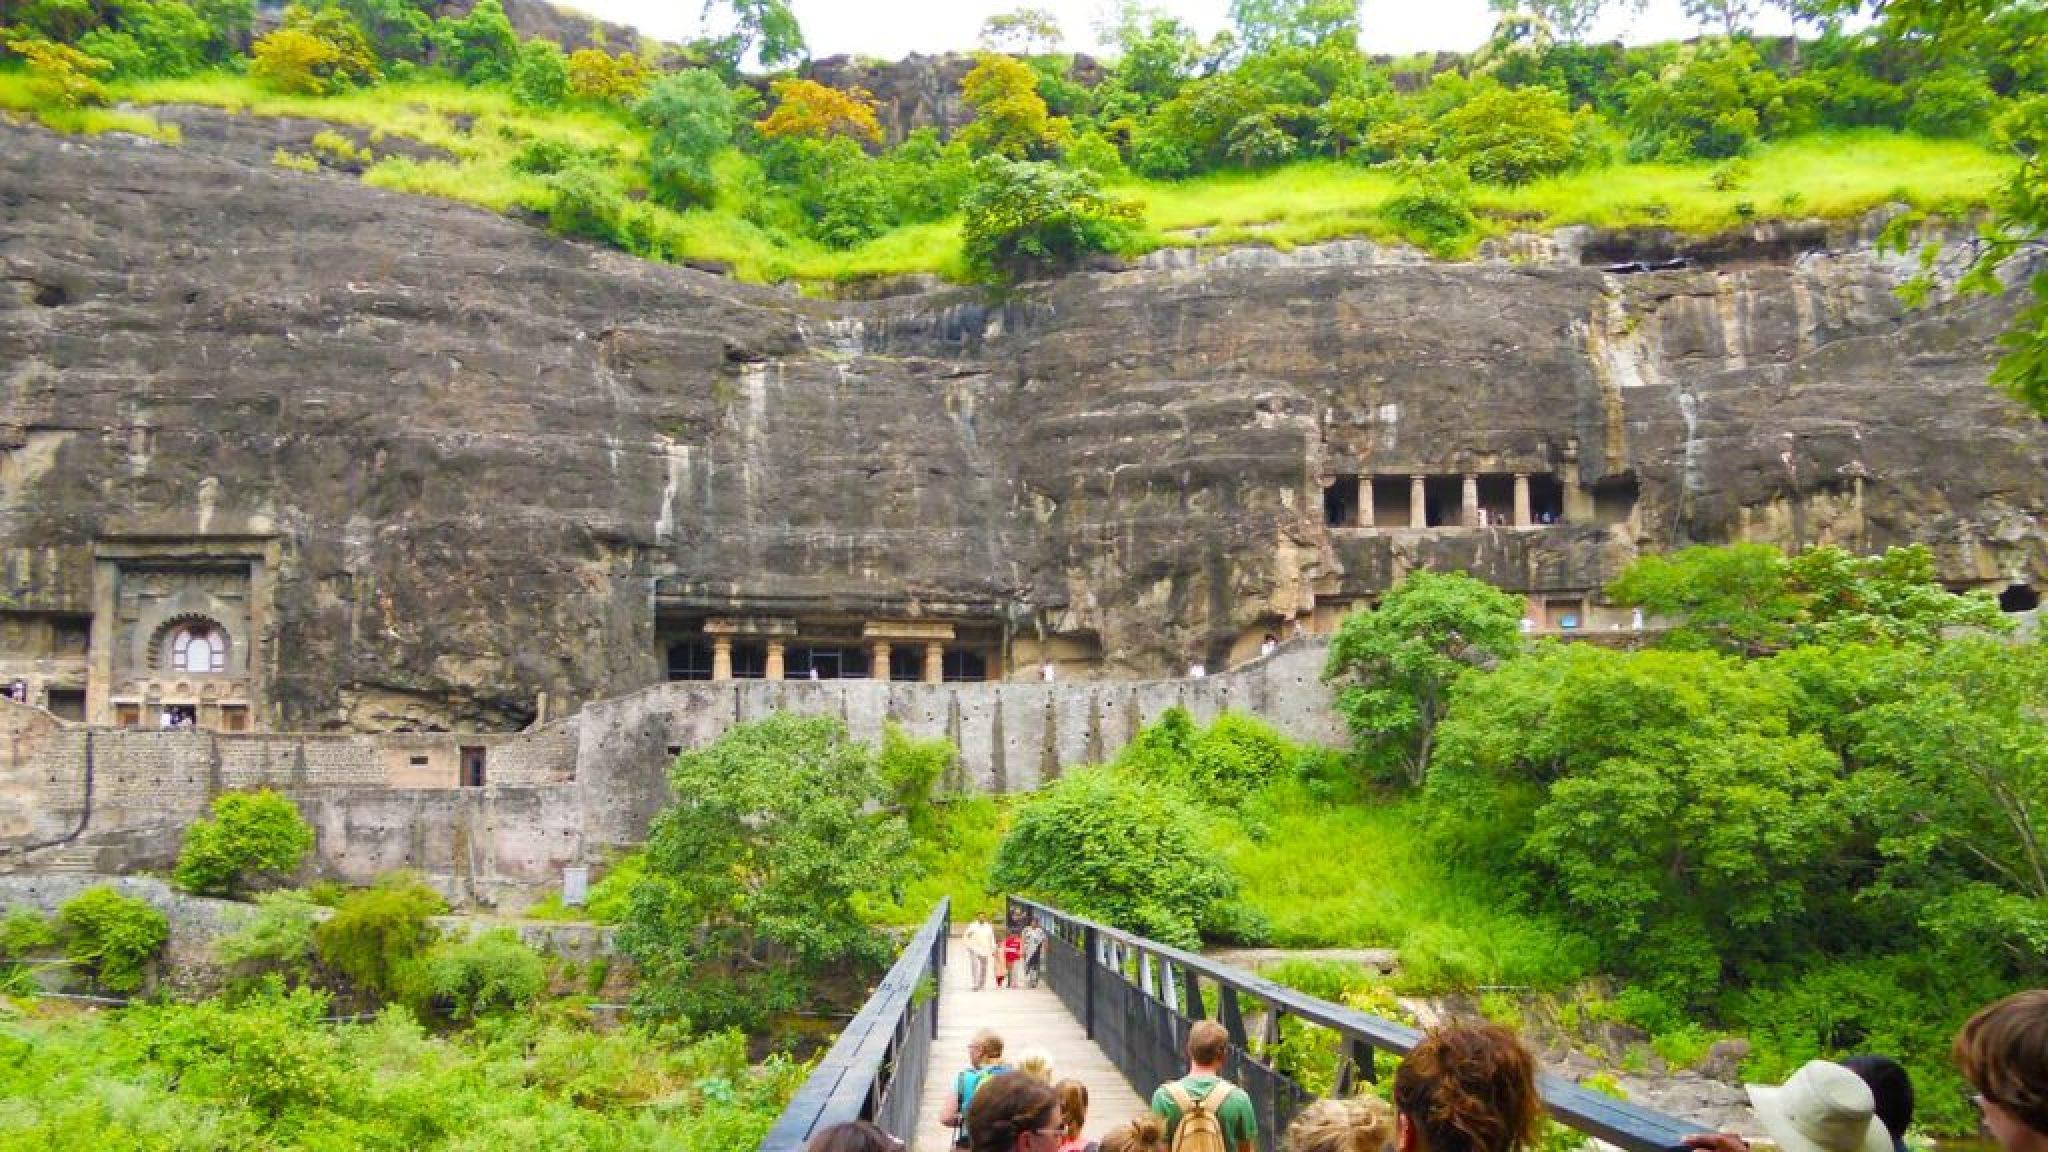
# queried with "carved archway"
point(190, 643)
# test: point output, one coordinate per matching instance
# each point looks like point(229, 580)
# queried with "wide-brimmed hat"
point(1824, 1107)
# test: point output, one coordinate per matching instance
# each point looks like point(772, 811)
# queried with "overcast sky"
point(896, 28)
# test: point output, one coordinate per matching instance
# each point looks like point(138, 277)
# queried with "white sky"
point(891, 29)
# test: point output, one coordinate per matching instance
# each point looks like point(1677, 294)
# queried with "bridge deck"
point(1026, 1018)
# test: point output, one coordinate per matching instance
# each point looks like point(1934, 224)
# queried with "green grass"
point(1360, 875)
point(18, 98)
point(1834, 175)
point(951, 860)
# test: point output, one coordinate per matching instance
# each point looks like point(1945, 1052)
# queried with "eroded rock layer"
point(472, 464)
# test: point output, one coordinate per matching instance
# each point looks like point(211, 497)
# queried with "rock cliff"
point(483, 455)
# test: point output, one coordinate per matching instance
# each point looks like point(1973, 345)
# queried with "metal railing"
point(1136, 998)
point(875, 1070)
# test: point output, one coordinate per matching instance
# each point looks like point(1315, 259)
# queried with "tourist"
point(1147, 1133)
point(1013, 1113)
point(1034, 1062)
point(1034, 951)
point(1073, 1098)
point(1823, 1107)
point(1011, 965)
point(1467, 1088)
point(1220, 1103)
point(1269, 645)
point(1357, 1124)
point(981, 942)
point(984, 1063)
point(1045, 671)
point(853, 1136)
point(1892, 1091)
point(1197, 670)
point(2003, 1052)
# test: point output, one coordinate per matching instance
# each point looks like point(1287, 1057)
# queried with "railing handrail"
point(844, 1085)
point(1618, 1122)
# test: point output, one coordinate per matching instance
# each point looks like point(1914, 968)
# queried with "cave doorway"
point(2019, 598)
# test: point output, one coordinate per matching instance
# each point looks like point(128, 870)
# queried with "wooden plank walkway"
point(1026, 1018)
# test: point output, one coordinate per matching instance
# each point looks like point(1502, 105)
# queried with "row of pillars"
point(878, 660)
point(1418, 505)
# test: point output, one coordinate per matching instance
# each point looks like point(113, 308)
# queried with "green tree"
point(60, 75)
point(1022, 218)
point(277, 940)
point(765, 30)
point(754, 873)
point(1569, 19)
point(1022, 32)
point(1155, 55)
point(1394, 665)
point(112, 937)
point(690, 118)
point(1119, 849)
point(377, 933)
point(252, 837)
point(910, 769)
point(151, 38)
point(397, 29)
point(1509, 135)
point(487, 974)
point(1263, 24)
point(314, 53)
point(481, 47)
point(1735, 598)
point(542, 77)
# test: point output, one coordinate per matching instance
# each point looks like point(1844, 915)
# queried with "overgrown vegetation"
point(1279, 130)
point(252, 838)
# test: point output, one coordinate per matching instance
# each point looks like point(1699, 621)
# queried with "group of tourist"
point(1019, 957)
point(1472, 1088)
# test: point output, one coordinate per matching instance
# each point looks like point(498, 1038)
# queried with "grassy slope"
point(1830, 174)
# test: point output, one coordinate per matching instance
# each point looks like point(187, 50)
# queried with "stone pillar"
point(1418, 504)
point(721, 657)
point(934, 663)
point(1365, 514)
point(1469, 514)
point(774, 669)
point(1522, 500)
point(878, 660)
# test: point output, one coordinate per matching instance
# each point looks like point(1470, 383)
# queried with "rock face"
point(470, 463)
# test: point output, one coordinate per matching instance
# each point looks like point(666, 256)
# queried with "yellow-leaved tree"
point(1010, 117)
point(808, 110)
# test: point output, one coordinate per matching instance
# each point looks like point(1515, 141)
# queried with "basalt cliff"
point(392, 463)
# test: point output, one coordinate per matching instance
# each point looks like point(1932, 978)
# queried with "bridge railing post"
point(1091, 952)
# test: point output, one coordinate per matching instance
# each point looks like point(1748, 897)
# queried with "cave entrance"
point(1443, 501)
point(472, 767)
point(2019, 598)
point(1390, 501)
point(1340, 502)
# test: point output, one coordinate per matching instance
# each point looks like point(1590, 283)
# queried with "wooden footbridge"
point(1113, 1012)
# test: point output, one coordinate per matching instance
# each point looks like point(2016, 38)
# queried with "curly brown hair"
point(1007, 1106)
point(1357, 1124)
point(1470, 1088)
point(2003, 1052)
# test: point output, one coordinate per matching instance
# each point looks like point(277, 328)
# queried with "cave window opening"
point(472, 767)
point(68, 704)
point(2019, 598)
point(1566, 615)
point(690, 660)
point(199, 647)
point(1614, 499)
point(962, 666)
point(1340, 502)
point(1546, 499)
point(1390, 501)
point(749, 661)
point(1497, 500)
point(827, 664)
point(906, 663)
point(181, 716)
point(1443, 501)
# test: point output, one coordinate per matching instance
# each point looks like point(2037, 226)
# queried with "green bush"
point(480, 975)
point(1023, 218)
point(24, 932)
point(1121, 850)
point(1433, 209)
point(112, 937)
point(1509, 135)
point(251, 838)
point(689, 116)
point(278, 939)
point(1950, 102)
point(910, 769)
point(267, 1054)
point(377, 932)
point(541, 78)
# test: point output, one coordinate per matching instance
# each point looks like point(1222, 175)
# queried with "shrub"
point(278, 939)
point(377, 932)
point(1010, 117)
point(481, 46)
point(61, 75)
point(585, 203)
point(1023, 217)
point(690, 118)
point(1096, 156)
point(910, 768)
point(596, 75)
point(1433, 210)
point(808, 110)
point(25, 932)
point(484, 974)
point(267, 1054)
point(1121, 850)
point(251, 837)
point(542, 76)
point(314, 54)
point(1950, 102)
point(112, 937)
point(1509, 135)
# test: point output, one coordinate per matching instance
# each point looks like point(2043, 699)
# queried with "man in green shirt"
point(1208, 1045)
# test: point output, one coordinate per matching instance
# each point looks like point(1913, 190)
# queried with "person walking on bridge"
point(1203, 1111)
point(981, 944)
point(1467, 1088)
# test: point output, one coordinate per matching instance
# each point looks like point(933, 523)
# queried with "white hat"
point(1824, 1107)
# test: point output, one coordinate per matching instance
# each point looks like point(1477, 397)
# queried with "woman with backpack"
point(984, 1061)
point(1467, 1088)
